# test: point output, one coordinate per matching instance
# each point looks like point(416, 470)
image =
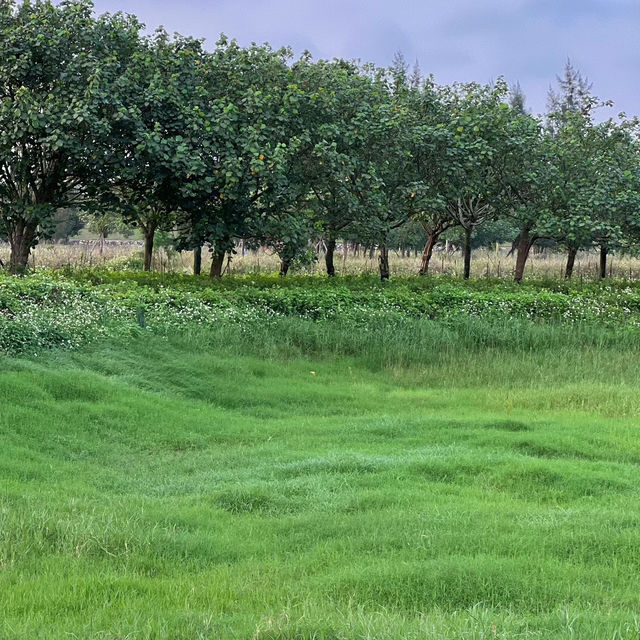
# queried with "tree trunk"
point(197, 261)
point(603, 261)
point(217, 262)
point(427, 253)
point(149, 234)
point(284, 267)
point(571, 260)
point(21, 237)
point(524, 246)
point(467, 253)
point(383, 262)
point(328, 257)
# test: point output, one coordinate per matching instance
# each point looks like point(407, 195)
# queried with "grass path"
point(163, 491)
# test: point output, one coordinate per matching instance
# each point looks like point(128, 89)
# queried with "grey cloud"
point(525, 40)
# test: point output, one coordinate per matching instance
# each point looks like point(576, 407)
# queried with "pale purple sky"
point(524, 40)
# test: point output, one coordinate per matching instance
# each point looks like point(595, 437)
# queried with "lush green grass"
point(469, 481)
point(71, 309)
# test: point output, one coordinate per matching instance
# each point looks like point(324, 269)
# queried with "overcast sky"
point(523, 40)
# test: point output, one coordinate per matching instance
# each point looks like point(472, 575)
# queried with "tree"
point(430, 161)
point(64, 78)
point(517, 99)
point(588, 164)
point(481, 124)
point(337, 155)
point(573, 93)
point(522, 173)
point(524, 176)
point(103, 223)
point(239, 147)
point(389, 148)
point(159, 159)
point(464, 162)
point(66, 223)
point(289, 236)
point(591, 199)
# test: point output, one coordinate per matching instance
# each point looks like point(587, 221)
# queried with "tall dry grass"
point(485, 262)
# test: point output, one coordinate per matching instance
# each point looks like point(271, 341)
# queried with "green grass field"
point(191, 488)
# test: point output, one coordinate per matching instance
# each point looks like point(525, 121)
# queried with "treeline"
point(250, 143)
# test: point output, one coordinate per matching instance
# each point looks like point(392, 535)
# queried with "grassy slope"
point(168, 491)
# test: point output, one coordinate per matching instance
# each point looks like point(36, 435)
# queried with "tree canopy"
point(249, 143)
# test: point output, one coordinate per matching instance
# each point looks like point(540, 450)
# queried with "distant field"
point(223, 484)
point(120, 252)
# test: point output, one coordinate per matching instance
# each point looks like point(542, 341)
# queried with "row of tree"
point(248, 142)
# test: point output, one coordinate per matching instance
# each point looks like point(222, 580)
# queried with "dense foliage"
point(55, 310)
point(249, 144)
